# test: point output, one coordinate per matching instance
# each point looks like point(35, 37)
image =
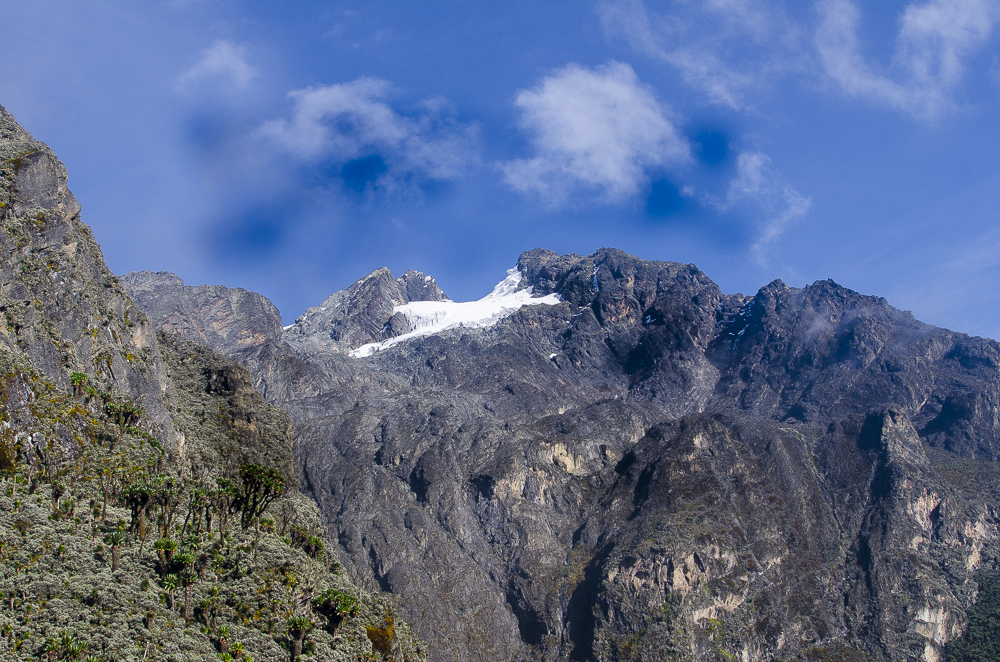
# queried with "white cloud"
point(222, 61)
point(730, 50)
point(351, 120)
point(936, 36)
point(594, 131)
point(933, 40)
point(724, 48)
point(759, 184)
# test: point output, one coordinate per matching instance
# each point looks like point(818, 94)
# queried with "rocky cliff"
point(650, 468)
point(216, 316)
point(149, 507)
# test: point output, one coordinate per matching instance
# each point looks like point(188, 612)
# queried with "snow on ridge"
point(429, 317)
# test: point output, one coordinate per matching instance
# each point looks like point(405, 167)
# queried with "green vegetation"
point(981, 640)
point(336, 606)
point(261, 486)
point(78, 380)
point(112, 549)
point(149, 508)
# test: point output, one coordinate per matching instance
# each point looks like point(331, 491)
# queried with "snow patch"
point(429, 317)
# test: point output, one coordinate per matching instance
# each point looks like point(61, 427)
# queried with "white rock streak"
point(429, 317)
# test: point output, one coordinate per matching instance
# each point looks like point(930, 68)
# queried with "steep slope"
point(63, 310)
point(148, 500)
point(653, 469)
point(363, 313)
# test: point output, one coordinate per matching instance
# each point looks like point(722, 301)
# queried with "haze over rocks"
point(645, 469)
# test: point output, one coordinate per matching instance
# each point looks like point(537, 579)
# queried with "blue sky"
point(291, 148)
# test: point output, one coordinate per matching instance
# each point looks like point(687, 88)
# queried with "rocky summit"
point(609, 458)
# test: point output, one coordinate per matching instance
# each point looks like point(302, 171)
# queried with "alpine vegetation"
point(149, 504)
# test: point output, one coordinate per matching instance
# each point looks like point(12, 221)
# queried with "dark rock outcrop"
point(363, 313)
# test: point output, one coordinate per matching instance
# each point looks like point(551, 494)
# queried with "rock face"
point(363, 313)
point(225, 319)
point(652, 469)
point(63, 310)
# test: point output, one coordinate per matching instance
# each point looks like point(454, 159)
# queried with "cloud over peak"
point(346, 123)
point(777, 203)
point(594, 131)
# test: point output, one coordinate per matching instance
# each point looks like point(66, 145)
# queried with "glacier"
point(429, 317)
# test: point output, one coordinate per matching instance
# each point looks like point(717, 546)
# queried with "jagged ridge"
point(653, 468)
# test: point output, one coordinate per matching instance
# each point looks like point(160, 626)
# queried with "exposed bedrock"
point(650, 469)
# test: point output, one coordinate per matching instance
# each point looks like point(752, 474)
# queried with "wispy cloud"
point(223, 62)
point(729, 50)
point(723, 48)
point(341, 123)
point(933, 41)
point(758, 184)
point(594, 131)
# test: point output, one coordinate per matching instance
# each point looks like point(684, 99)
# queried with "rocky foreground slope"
point(149, 507)
point(649, 469)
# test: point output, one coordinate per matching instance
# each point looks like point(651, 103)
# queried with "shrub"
point(981, 639)
point(261, 486)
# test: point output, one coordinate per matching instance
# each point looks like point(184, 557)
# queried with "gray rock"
point(227, 320)
point(63, 310)
point(652, 469)
point(363, 313)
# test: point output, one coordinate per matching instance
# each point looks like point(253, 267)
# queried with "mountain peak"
point(363, 313)
point(420, 287)
point(634, 433)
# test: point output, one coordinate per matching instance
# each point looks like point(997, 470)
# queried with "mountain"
point(605, 458)
point(610, 459)
point(149, 503)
